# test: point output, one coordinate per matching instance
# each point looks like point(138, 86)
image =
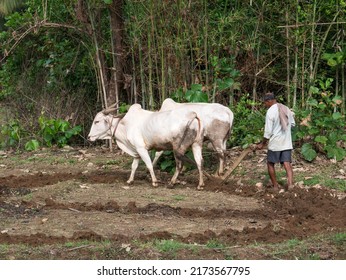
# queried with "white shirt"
point(279, 139)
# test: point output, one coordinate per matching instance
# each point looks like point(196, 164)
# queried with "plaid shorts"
point(279, 156)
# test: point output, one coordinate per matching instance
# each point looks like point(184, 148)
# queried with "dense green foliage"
point(52, 132)
point(248, 123)
point(65, 59)
point(322, 126)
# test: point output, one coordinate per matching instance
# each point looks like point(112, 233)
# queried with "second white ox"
point(217, 123)
point(140, 131)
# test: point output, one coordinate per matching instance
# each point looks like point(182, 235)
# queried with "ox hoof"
point(199, 188)
point(129, 182)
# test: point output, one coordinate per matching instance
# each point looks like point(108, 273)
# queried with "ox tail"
point(231, 119)
point(200, 131)
point(199, 137)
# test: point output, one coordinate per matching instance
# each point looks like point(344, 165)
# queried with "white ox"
point(140, 131)
point(217, 123)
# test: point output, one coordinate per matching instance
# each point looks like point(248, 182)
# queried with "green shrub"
point(322, 127)
point(56, 131)
point(12, 134)
point(248, 122)
point(32, 145)
point(52, 132)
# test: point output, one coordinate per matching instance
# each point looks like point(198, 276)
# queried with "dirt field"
point(75, 204)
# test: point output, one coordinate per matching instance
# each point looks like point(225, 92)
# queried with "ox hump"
point(169, 104)
point(135, 107)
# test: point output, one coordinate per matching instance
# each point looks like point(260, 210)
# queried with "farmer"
point(277, 135)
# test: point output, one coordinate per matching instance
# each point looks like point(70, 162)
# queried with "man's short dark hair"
point(269, 96)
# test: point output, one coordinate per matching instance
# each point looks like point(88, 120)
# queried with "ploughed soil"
point(74, 203)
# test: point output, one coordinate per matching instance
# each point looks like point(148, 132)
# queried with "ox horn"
point(110, 109)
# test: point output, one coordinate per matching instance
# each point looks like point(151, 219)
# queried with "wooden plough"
point(236, 163)
point(223, 179)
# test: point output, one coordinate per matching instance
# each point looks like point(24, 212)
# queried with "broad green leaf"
point(196, 96)
point(332, 62)
point(32, 145)
point(337, 100)
point(333, 59)
point(321, 139)
point(61, 125)
point(177, 95)
point(124, 108)
point(48, 139)
point(308, 152)
point(327, 56)
point(62, 141)
point(328, 82)
point(314, 89)
point(312, 102)
point(196, 87)
point(337, 116)
point(336, 152)
point(313, 131)
point(333, 137)
point(225, 83)
point(214, 60)
point(322, 106)
point(73, 131)
point(166, 164)
point(69, 133)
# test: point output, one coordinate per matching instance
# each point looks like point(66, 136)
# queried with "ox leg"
point(221, 156)
point(147, 160)
point(178, 168)
point(157, 156)
point(133, 170)
point(220, 147)
point(197, 154)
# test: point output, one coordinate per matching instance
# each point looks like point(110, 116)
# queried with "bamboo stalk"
point(114, 69)
point(150, 59)
point(288, 94)
point(206, 52)
point(303, 74)
point(98, 59)
point(318, 55)
point(295, 76)
point(310, 24)
point(142, 74)
point(254, 87)
point(163, 76)
point(342, 66)
point(343, 88)
point(134, 90)
point(311, 76)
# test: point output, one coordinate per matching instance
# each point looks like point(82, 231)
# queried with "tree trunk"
point(117, 29)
